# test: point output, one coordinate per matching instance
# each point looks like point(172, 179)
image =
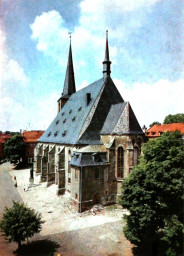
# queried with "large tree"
point(20, 222)
point(178, 118)
point(14, 148)
point(153, 194)
point(155, 122)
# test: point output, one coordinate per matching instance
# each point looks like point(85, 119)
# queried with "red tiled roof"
point(158, 129)
point(4, 137)
point(32, 136)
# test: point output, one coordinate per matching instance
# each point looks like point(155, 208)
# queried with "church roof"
point(121, 120)
point(66, 126)
point(82, 123)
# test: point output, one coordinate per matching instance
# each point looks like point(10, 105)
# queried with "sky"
point(146, 44)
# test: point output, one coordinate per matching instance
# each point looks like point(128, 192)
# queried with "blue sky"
point(146, 42)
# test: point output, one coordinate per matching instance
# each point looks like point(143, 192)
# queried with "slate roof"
point(156, 130)
point(80, 124)
point(121, 120)
point(88, 159)
point(70, 119)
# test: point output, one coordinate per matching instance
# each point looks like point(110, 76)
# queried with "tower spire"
point(69, 84)
point(106, 62)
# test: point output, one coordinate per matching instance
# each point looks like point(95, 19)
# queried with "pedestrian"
point(24, 188)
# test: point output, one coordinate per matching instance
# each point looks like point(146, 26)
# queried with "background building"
point(158, 129)
point(30, 138)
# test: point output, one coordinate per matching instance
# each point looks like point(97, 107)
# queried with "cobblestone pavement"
point(75, 234)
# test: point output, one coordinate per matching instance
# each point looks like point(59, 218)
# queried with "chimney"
point(88, 98)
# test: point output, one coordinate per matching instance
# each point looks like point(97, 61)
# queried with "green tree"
point(155, 122)
point(14, 148)
point(178, 118)
point(20, 222)
point(153, 194)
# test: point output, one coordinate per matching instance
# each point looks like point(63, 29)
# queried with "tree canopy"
point(178, 118)
point(155, 122)
point(153, 194)
point(20, 222)
point(14, 148)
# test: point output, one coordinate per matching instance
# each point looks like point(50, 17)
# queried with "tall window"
point(136, 155)
point(120, 163)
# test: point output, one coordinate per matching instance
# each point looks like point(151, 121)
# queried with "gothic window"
point(136, 155)
point(135, 159)
point(120, 163)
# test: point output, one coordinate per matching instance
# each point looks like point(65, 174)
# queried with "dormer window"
point(64, 121)
point(79, 109)
point(64, 134)
point(48, 134)
point(57, 122)
point(56, 133)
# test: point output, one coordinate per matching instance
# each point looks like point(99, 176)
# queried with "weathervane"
point(70, 35)
point(107, 33)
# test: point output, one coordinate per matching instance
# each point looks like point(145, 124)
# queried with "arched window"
point(120, 163)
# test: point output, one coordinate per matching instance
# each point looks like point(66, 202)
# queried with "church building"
point(93, 142)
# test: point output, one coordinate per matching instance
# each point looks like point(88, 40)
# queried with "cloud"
point(10, 70)
point(143, 46)
point(153, 102)
point(12, 77)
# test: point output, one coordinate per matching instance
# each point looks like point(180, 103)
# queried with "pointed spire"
point(69, 84)
point(106, 62)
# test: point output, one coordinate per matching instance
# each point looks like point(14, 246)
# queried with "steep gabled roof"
point(66, 127)
point(109, 96)
point(79, 123)
point(121, 120)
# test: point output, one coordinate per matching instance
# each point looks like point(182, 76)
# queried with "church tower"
point(106, 62)
point(69, 84)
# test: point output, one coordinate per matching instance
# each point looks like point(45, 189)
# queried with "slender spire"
point(106, 62)
point(69, 84)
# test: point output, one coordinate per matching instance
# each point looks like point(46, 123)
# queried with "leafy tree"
point(155, 122)
point(20, 222)
point(14, 148)
point(178, 118)
point(153, 194)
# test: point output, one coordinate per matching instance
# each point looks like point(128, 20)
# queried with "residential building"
point(30, 138)
point(158, 129)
